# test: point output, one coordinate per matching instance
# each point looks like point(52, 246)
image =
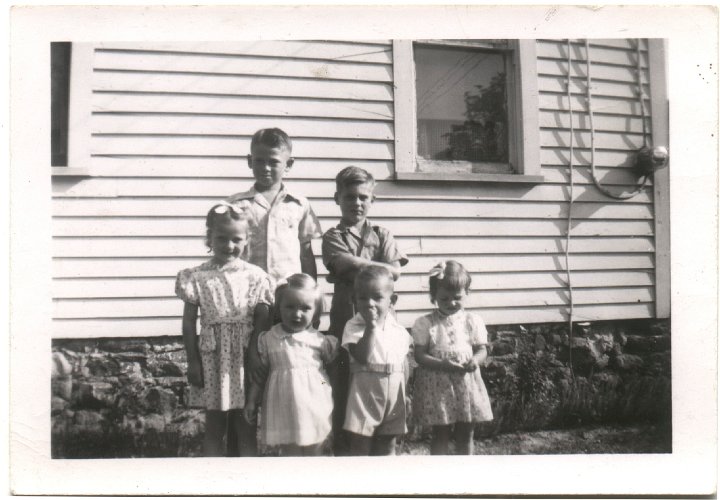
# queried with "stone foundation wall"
point(127, 397)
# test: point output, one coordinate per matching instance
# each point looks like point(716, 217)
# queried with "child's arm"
point(190, 339)
point(346, 266)
point(307, 259)
point(479, 357)
point(252, 398)
point(425, 360)
point(362, 348)
point(261, 322)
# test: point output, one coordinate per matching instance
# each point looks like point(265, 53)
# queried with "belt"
point(386, 368)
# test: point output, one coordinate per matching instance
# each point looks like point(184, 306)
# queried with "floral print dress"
point(444, 398)
point(227, 296)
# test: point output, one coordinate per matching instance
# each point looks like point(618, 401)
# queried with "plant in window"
point(483, 135)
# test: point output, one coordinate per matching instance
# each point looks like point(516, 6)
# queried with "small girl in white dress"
point(234, 298)
point(450, 346)
point(297, 401)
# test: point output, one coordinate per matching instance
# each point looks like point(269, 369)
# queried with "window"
point(466, 110)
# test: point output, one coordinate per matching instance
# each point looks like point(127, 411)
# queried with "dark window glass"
point(60, 53)
point(461, 104)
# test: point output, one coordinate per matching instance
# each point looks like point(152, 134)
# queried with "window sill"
point(70, 172)
point(468, 177)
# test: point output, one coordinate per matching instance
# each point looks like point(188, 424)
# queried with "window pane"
point(461, 104)
point(60, 53)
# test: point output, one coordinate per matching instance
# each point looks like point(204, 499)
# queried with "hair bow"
point(438, 271)
point(223, 207)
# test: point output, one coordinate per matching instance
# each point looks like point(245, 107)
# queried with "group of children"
point(259, 357)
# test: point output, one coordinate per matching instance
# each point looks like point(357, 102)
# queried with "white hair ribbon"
point(438, 271)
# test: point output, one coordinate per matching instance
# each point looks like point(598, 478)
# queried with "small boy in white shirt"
point(378, 346)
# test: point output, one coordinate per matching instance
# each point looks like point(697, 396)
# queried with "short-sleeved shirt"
point(392, 343)
point(372, 243)
point(277, 230)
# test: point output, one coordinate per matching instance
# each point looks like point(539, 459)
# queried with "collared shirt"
point(391, 345)
point(372, 243)
point(277, 230)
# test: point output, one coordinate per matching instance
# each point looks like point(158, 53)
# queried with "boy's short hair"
point(272, 138)
point(352, 175)
point(372, 273)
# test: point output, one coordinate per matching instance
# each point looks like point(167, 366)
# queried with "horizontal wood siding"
point(171, 125)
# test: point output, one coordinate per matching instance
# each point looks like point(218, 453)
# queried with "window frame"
point(523, 126)
point(79, 112)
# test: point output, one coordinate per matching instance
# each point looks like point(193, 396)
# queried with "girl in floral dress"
point(234, 298)
point(450, 345)
point(297, 402)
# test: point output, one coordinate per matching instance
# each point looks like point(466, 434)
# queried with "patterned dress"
point(297, 404)
point(227, 296)
point(444, 398)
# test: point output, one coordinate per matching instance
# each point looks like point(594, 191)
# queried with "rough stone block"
point(627, 362)
point(101, 365)
point(61, 387)
point(124, 345)
point(501, 348)
point(57, 404)
point(96, 394)
point(164, 368)
point(161, 401)
point(88, 421)
point(61, 368)
point(643, 344)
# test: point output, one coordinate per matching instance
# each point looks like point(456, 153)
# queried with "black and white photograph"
point(253, 243)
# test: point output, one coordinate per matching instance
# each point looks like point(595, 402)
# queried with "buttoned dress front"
point(277, 230)
point(297, 403)
point(227, 296)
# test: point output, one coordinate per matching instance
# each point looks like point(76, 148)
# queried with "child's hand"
point(471, 365)
point(194, 374)
point(370, 317)
point(250, 412)
point(453, 366)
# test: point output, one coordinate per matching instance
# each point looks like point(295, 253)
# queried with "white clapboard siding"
point(149, 267)
point(241, 105)
point(242, 126)
point(99, 288)
point(119, 82)
point(170, 127)
point(150, 307)
point(316, 189)
point(87, 207)
point(159, 326)
point(187, 226)
point(365, 51)
point(227, 64)
point(191, 246)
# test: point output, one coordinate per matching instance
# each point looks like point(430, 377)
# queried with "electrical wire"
point(569, 215)
point(645, 178)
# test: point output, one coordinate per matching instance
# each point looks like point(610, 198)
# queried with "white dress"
point(297, 404)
